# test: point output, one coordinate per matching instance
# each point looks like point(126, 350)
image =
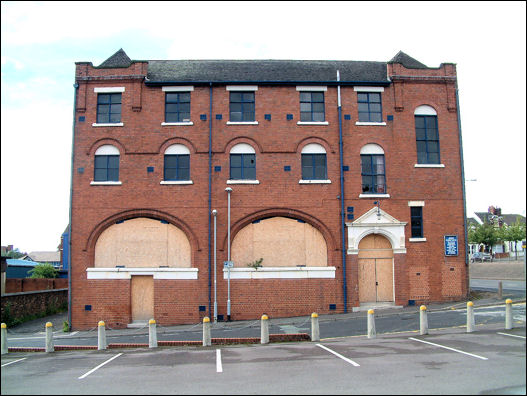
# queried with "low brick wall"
point(20, 305)
point(18, 285)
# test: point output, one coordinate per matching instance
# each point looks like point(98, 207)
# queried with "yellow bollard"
point(264, 333)
point(470, 317)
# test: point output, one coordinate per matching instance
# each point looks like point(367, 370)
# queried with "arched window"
point(314, 164)
point(373, 169)
point(242, 162)
point(106, 167)
point(427, 136)
point(176, 163)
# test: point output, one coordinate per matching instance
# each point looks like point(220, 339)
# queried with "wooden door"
point(375, 269)
point(142, 291)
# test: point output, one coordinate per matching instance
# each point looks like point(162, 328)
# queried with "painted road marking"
point(451, 349)
point(339, 355)
point(41, 338)
point(99, 366)
point(512, 335)
point(219, 367)
point(14, 361)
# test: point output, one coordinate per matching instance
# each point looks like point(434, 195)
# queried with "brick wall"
point(24, 304)
point(17, 285)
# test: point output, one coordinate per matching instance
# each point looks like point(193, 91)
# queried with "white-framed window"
point(427, 137)
point(106, 165)
point(369, 103)
point(176, 165)
point(373, 171)
point(314, 164)
point(242, 164)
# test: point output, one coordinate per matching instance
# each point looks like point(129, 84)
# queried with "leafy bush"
point(44, 270)
point(256, 264)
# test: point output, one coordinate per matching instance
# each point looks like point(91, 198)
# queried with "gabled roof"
point(407, 61)
point(508, 219)
point(42, 257)
point(280, 71)
point(119, 59)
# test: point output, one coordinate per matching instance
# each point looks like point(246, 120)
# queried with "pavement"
point(506, 270)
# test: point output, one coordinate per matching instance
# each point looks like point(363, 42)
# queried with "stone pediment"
point(372, 217)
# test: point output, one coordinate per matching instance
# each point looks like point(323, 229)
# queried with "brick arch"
point(283, 212)
point(242, 139)
point(134, 213)
point(311, 139)
point(177, 140)
point(103, 141)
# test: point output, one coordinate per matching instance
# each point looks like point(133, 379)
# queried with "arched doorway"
point(375, 269)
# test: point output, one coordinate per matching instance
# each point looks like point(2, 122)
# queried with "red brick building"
point(346, 178)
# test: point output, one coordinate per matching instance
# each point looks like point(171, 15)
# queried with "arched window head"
point(242, 148)
point(106, 164)
point(313, 148)
point(177, 163)
point(425, 110)
point(371, 149)
point(107, 149)
point(176, 149)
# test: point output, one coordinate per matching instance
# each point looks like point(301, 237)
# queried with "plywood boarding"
point(142, 242)
point(375, 269)
point(142, 298)
point(281, 242)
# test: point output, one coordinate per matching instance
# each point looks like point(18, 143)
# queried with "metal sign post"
point(229, 190)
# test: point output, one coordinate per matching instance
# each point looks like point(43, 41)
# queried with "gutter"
point(220, 82)
point(463, 186)
point(70, 267)
point(342, 220)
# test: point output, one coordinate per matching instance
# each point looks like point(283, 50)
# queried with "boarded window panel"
point(142, 298)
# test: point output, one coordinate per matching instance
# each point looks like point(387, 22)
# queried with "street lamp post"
point(229, 190)
point(214, 213)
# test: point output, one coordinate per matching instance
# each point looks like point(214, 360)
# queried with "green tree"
point(514, 233)
point(15, 254)
point(44, 270)
point(486, 234)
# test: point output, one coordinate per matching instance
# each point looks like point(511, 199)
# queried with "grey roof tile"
point(407, 61)
point(119, 59)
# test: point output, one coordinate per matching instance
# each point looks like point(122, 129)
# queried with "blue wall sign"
point(451, 245)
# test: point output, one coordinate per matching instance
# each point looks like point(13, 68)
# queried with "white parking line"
point(339, 355)
point(219, 367)
point(512, 335)
point(42, 337)
point(99, 366)
point(451, 349)
point(14, 361)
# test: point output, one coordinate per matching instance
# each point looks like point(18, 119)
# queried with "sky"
point(41, 41)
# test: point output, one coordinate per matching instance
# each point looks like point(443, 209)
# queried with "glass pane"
point(419, 122)
point(100, 175)
point(364, 117)
point(103, 109)
point(248, 116)
point(421, 147)
point(433, 147)
point(307, 172)
point(366, 164)
point(184, 174)
point(115, 117)
point(318, 107)
point(417, 232)
point(236, 97)
point(318, 117)
point(317, 97)
point(305, 96)
point(171, 108)
point(307, 160)
point(113, 161)
point(375, 117)
point(379, 164)
point(170, 161)
point(248, 96)
point(100, 161)
point(171, 98)
point(236, 116)
point(184, 117)
point(362, 97)
point(236, 173)
point(320, 172)
point(305, 107)
point(415, 211)
point(170, 173)
point(421, 157)
point(184, 97)
point(432, 134)
point(113, 174)
point(171, 117)
point(236, 107)
point(249, 173)
point(375, 98)
point(116, 98)
point(420, 134)
point(433, 158)
point(115, 109)
point(236, 160)
point(375, 107)
point(367, 184)
point(363, 107)
point(306, 117)
point(320, 159)
point(249, 160)
point(431, 122)
point(103, 98)
point(184, 107)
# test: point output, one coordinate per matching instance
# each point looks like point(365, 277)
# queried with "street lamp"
point(214, 213)
point(229, 190)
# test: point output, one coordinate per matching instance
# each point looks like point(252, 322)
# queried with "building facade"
point(345, 182)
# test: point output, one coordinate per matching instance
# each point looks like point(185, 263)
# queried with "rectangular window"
point(106, 168)
point(427, 138)
point(373, 174)
point(416, 214)
point(243, 167)
point(370, 107)
point(241, 106)
point(108, 108)
point(177, 167)
point(312, 106)
point(177, 107)
point(314, 167)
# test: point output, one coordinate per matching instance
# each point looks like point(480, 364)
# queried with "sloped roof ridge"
point(407, 61)
point(119, 59)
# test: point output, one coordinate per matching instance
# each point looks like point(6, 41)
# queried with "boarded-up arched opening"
point(281, 242)
point(375, 269)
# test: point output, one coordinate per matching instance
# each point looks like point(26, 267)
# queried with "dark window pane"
point(249, 160)
point(375, 107)
point(171, 108)
point(184, 97)
point(420, 134)
point(421, 157)
point(236, 173)
point(249, 173)
point(115, 98)
point(115, 117)
point(248, 96)
point(432, 134)
point(103, 98)
point(375, 117)
point(305, 116)
point(184, 160)
point(100, 161)
point(366, 164)
point(317, 97)
point(375, 98)
point(419, 122)
point(364, 117)
point(171, 117)
point(421, 147)
point(363, 107)
point(236, 107)
point(320, 172)
point(184, 107)
point(248, 116)
point(305, 107)
point(305, 96)
point(320, 159)
point(170, 173)
point(236, 97)
point(170, 161)
point(318, 117)
point(184, 174)
point(236, 160)
point(433, 158)
point(113, 161)
point(307, 160)
point(236, 116)
point(113, 174)
point(362, 97)
point(115, 109)
point(103, 109)
point(171, 97)
point(431, 122)
point(318, 107)
point(100, 175)
point(433, 147)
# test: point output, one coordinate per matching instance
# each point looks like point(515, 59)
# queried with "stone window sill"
point(417, 240)
point(374, 195)
point(242, 122)
point(106, 183)
point(314, 181)
point(179, 182)
point(370, 123)
point(108, 124)
point(280, 273)
point(429, 165)
point(312, 123)
point(243, 182)
point(176, 123)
